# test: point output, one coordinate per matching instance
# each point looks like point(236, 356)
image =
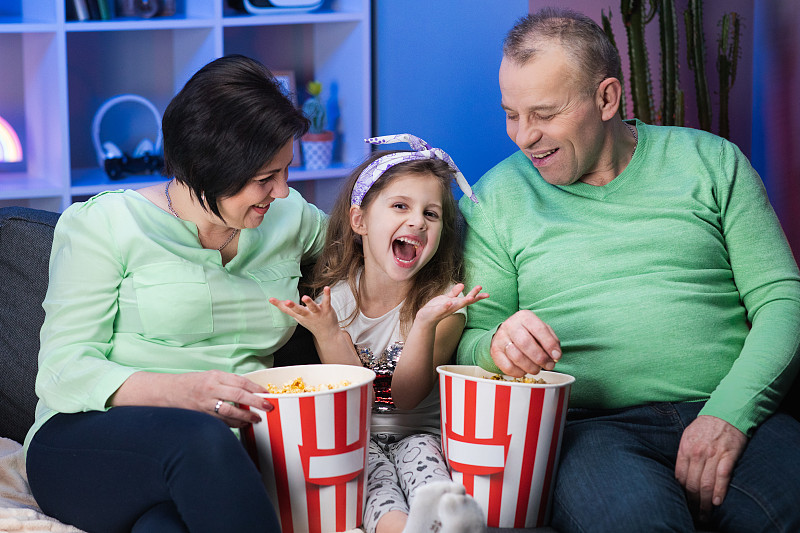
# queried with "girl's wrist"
point(329, 334)
point(423, 324)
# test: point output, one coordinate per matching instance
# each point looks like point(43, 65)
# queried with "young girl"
point(391, 301)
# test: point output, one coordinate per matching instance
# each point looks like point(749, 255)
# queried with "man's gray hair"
point(583, 40)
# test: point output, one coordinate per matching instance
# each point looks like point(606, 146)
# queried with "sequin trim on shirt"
point(383, 365)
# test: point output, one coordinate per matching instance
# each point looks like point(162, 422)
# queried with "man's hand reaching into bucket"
point(524, 344)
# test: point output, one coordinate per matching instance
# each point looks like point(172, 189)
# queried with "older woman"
point(157, 304)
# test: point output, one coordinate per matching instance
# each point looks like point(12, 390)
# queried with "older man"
point(647, 262)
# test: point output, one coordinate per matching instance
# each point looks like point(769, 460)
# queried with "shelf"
point(315, 17)
point(133, 24)
point(95, 180)
point(336, 170)
point(13, 25)
point(22, 185)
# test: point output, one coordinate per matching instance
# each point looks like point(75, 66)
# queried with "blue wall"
point(435, 71)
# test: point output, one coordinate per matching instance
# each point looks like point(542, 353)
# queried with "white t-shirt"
point(379, 345)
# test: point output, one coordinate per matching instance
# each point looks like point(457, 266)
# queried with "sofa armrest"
point(26, 237)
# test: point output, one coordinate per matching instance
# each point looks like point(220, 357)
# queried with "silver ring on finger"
point(216, 407)
point(510, 343)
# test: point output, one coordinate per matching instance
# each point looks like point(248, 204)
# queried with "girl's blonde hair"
point(343, 256)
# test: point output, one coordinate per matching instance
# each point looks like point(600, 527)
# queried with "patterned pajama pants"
point(397, 467)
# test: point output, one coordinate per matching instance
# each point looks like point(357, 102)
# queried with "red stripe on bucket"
point(529, 455)
point(362, 423)
point(447, 412)
point(470, 392)
point(308, 422)
point(279, 465)
point(340, 441)
point(551, 457)
point(501, 405)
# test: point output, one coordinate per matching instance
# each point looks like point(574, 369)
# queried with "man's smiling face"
point(550, 116)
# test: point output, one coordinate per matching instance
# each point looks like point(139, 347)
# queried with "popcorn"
point(298, 385)
point(524, 379)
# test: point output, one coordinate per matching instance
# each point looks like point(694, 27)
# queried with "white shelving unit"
point(56, 73)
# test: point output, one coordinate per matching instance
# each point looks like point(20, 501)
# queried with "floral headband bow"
point(423, 151)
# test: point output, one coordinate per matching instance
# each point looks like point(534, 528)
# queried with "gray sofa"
point(25, 239)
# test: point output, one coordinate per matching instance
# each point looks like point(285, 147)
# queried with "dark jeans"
point(147, 469)
point(617, 474)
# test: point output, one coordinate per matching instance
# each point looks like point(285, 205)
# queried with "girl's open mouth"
point(406, 251)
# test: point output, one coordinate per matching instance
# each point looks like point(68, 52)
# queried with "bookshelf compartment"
point(156, 65)
point(30, 100)
point(12, 103)
point(334, 53)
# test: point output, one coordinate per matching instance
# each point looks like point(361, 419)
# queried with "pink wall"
point(776, 128)
point(740, 109)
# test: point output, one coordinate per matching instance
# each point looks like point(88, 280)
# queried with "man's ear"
point(357, 220)
point(609, 98)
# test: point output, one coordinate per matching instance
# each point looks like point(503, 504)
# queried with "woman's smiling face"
point(246, 208)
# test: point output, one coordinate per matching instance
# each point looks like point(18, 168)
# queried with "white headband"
point(423, 151)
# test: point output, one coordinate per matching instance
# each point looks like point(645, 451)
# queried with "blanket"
point(18, 510)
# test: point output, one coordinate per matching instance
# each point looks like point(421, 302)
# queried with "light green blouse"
point(131, 289)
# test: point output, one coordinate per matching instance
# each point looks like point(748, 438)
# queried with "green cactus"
point(679, 109)
point(635, 19)
point(313, 108)
point(727, 61)
point(636, 14)
point(696, 53)
point(671, 95)
point(610, 33)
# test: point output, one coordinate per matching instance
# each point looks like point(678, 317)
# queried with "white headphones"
point(147, 156)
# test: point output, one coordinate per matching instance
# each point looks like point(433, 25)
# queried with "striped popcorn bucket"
point(311, 449)
point(502, 440)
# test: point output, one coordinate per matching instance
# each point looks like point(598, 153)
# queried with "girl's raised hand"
point(319, 318)
point(445, 305)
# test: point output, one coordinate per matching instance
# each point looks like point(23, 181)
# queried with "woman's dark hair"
point(229, 120)
point(342, 258)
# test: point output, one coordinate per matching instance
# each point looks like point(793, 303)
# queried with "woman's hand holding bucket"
point(214, 392)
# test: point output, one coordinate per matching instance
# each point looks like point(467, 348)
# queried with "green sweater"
point(651, 282)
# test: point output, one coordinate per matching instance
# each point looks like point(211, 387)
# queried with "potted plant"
point(318, 142)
